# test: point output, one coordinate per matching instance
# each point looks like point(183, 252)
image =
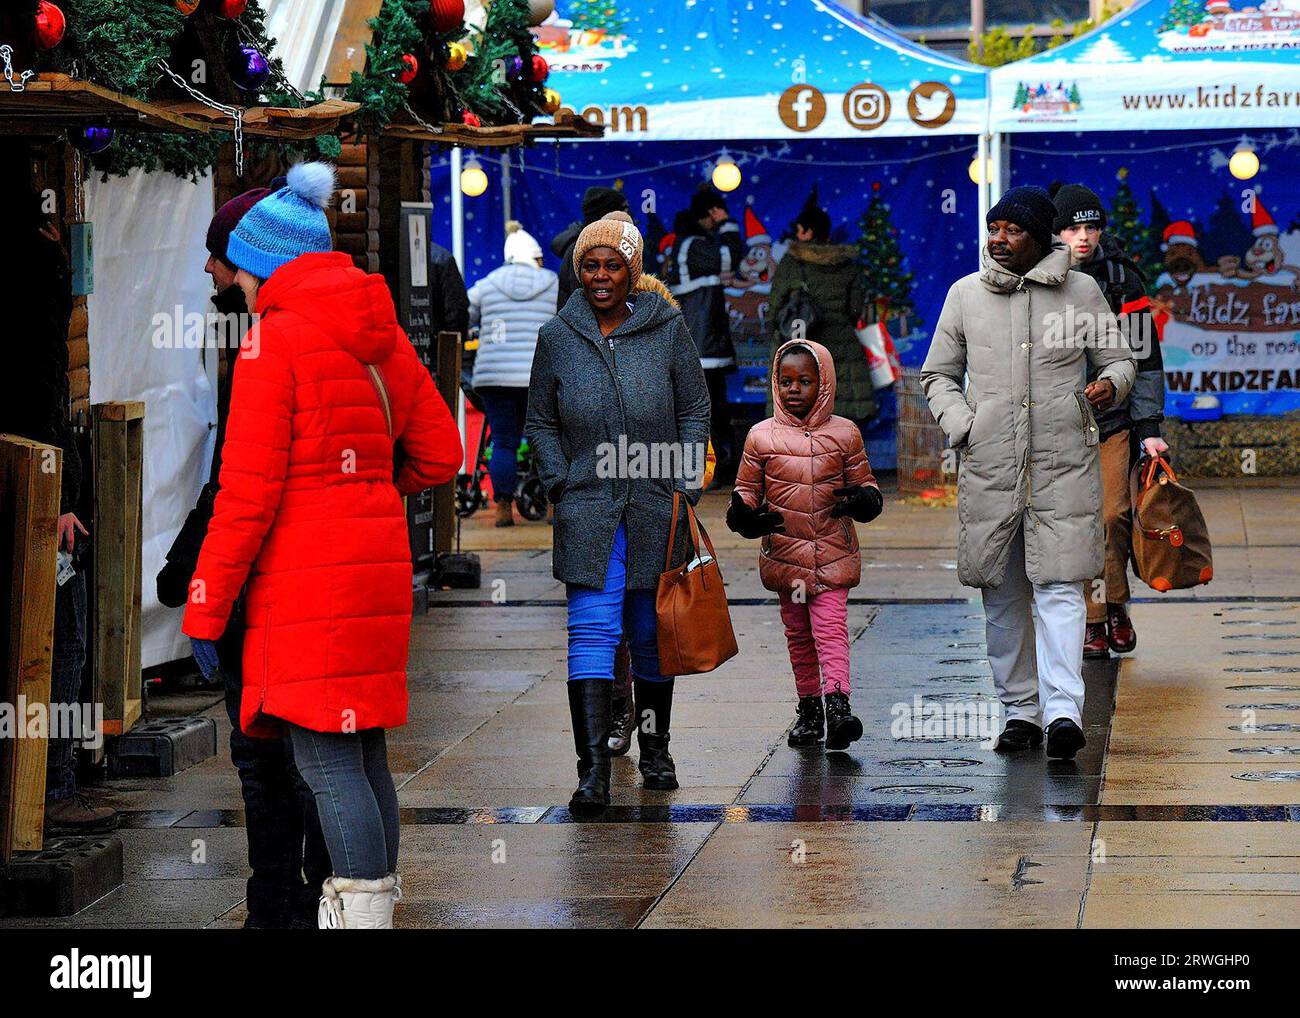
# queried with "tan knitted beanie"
point(614, 230)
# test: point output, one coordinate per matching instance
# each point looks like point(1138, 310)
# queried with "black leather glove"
point(753, 523)
point(859, 503)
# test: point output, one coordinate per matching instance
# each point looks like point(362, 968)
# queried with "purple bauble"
point(99, 138)
point(514, 67)
point(250, 69)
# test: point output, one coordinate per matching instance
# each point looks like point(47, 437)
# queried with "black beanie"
point(704, 199)
point(1031, 209)
point(598, 202)
point(813, 217)
point(1076, 205)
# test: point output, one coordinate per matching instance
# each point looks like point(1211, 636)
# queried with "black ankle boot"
point(809, 723)
point(622, 721)
point(589, 701)
point(842, 727)
point(654, 705)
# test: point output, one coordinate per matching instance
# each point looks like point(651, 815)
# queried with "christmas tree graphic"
point(888, 285)
point(1184, 13)
point(1125, 224)
point(595, 16)
point(1022, 96)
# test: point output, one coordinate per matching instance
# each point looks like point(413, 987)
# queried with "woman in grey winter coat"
point(1025, 330)
point(509, 305)
point(618, 419)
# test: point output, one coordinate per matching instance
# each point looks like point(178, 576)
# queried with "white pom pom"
point(313, 182)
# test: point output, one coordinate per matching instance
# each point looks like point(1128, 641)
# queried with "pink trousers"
point(817, 633)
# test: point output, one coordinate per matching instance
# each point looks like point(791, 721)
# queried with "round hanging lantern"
point(974, 170)
point(447, 15)
point(1244, 163)
point(539, 11)
point(540, 68)
point(726, 174)
point(96, 139)
point(410, 69)
point(249, 69)
point(551, 101)
point(470, 119)
point(50, 25)
point(456, 56)
point(473, 181)
point(231, 9)
point(187, 7)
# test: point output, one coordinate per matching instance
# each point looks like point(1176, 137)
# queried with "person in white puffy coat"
point(508, 306)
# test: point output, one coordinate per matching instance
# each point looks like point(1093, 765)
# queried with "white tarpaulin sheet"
point(149, 258)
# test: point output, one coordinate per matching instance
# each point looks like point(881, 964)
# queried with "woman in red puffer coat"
point(310, 517)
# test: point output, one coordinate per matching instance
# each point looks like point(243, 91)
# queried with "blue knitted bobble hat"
point(286, 224)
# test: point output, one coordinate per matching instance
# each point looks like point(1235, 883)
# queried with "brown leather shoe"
point(505, 515)
point(1120, 633)
point(78, 815)
point(1094, 641)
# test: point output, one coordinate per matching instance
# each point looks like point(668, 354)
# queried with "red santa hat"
point(1219, 7)
point(755, 231)
point(1261, 222)
point(1179, 232)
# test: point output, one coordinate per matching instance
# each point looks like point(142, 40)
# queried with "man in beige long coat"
point(1025, 330)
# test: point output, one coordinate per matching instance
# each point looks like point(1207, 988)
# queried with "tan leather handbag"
point(694, 624)
point(1171, 543)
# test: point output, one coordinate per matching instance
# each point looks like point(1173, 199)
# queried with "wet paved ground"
point(1181, 811)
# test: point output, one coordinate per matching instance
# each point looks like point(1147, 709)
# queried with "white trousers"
point(1037, 663)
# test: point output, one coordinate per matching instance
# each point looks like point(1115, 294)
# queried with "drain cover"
point(924, 789)
point(963, 697)
point(1269, 776)
point(1264, 706)
point(921, 763)
point(928, 740)
point(1268, 689)
point(1272, 726)
point(962, 660)
point(1265, 670)
point(1267, 750)
point(967, 678)
point(1262, 653)
point(1261, 636)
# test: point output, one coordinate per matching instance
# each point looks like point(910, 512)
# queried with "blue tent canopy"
point(669, 70)
point(1162, 65)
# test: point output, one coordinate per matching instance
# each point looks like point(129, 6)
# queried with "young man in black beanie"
point(1022, 330)
point(1135, 421)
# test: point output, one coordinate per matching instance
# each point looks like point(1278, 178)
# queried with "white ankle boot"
point(350, 904)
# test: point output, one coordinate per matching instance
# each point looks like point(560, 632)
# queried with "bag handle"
point(1173, 534)
point(377, 380)
point(696, 531)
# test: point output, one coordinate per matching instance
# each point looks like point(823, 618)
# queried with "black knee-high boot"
point(654, 707)
point(589, 703)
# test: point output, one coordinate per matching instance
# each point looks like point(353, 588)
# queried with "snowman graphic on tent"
point(1264, 261)
point(755, 270)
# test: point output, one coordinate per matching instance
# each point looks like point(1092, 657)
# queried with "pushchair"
point(529, 493)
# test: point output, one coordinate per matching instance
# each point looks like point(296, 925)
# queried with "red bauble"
point(540, 68)
point(50, 25)
point(470, 119)
point(447, 15)
point(231, 8)
point(410, 68)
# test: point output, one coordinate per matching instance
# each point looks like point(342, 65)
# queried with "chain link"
point(7, 53)
point(421, 121)
point(236, 113)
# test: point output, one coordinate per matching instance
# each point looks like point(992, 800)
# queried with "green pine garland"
point(380, 93)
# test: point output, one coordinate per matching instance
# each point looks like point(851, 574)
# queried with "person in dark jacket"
point(706, 250)
point(450, 305)
point(616, 374)
point(1133, 422)
point(285, 843)
point(835, 283)
point(597, 202)
point(34, 404)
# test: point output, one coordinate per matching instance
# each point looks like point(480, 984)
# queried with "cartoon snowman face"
point(757, 261)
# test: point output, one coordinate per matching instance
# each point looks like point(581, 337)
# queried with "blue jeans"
point(68, 660)
point(355, 797)
point(506, 408)
point(598, 620)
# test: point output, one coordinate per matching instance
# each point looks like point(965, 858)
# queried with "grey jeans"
point(348, 775)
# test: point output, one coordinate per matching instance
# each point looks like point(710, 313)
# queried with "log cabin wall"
point(355, 214)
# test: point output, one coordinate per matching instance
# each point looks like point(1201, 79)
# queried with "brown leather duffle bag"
point(694, 623)
point(1171, 543)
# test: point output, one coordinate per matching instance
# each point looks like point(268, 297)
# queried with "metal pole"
point(977, 26)
point(982, 155)
point(458, 252)
point(506, 203)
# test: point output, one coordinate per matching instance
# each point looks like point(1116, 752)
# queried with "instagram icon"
point(866, 106)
